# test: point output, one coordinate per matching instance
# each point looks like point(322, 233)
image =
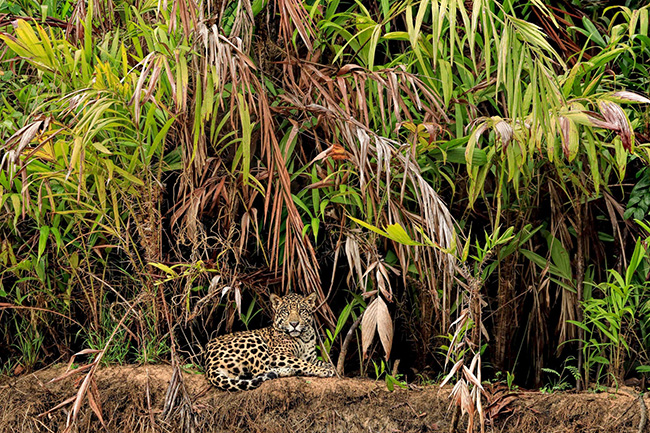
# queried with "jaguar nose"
point(294, 324)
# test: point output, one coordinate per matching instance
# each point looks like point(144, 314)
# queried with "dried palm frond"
point(230, 86)
point(498, 401)
point(103, 12)
point(294, 17)
point(467, 392)
point(386, 172)
point(187, 10)
point(376, 318)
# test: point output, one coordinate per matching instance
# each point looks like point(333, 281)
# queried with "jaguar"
point(244, 360)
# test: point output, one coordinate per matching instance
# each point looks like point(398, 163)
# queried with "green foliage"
point(88, 154)
point(382, 369)
point(510, 379)
point(352, 310)
point(249, 314)
point(560, 381)
point(29, 342)
point(615, 318)
point(116, 353)
point(639, 202)
point(559, 265)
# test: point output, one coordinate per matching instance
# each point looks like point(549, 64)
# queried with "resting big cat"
point(243, 360)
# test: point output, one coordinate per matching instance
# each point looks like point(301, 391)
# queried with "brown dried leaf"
point(350, 67)
point(631, 97)
point(69, 372)
point(469, 376)
point(137, 92)
point(615, 116)
point(238, 300)
point(72, 417)
point(384, 326)
point(504, 131)
point(500, 407)
point(172, 82)
point(95, 402)
point(300, 18)
point(369, 326)
point(354, 256)
point(29, 134)
point(476, 362)
point(453, 371)
point(338, 152)
point(214, 283)
point(459, 323)
point(383, 282)
point(153, 81)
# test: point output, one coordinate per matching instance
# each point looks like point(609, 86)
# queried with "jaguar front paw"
point(328, 372)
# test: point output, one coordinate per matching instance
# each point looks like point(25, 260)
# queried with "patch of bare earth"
point(133, 399)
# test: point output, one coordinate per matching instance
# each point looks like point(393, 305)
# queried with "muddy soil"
point(139, 399)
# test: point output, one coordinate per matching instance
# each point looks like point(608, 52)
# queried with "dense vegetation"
point(466, 180)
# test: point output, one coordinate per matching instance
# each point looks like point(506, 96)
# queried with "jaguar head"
point(293, 313)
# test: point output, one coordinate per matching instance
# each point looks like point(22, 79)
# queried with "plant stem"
point(580, 276)
point(344, 347)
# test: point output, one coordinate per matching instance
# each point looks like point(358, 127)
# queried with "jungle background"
point(465, 184)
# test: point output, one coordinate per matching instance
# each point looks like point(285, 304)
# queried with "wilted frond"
point(231, 84)
point(187, 10)
point(377, 318)
point(393, 159)
point(467, 392)
point(386, 173)
point(293, 16)
point(85, 14)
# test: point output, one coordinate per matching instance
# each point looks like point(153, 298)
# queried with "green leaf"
point(343, 318)
point(560, 257)
point(369, 226)
point(301, 205)
point(57, 236)
point(535, 258)
point(465, 253)
point(457, 156)
point(169, 271)
point(128, 176)
point(389, 383)
point(101, 147)
point(397, 233)
point(315, 224)
point(580, 325)
point(396, 36)
point(592, 32)
point(599, 359)
point(244, 150)
point(42, 240)
point(637, 257)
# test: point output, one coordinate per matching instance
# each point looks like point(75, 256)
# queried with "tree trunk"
point(506, 318)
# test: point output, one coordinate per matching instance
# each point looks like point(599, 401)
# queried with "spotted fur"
point(244, 360)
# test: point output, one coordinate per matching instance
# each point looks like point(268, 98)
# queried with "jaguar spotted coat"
point(244, 360)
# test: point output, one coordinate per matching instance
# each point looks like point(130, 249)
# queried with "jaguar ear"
point(275, 300)
point(311, 299)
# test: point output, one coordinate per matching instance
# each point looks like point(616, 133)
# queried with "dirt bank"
point(134, 399)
